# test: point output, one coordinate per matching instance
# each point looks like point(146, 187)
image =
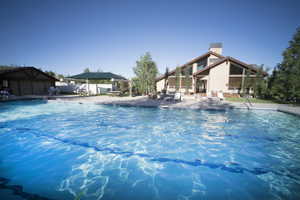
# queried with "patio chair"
point(161, 96)
point(220, 95)
point(177, 96)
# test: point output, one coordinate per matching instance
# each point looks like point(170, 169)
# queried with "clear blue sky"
point(67, 36)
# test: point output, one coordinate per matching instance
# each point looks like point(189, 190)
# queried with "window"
point(213, 60)
point(201, 64)
point(235, 83)
point(184, 82)
point(171, 82)
point(235, 70)
point(190, 69)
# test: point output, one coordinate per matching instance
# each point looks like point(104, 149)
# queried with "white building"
point(209, 73)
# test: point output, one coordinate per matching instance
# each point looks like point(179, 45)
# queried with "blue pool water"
point(60, 150)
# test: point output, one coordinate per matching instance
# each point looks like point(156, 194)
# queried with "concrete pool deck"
point(187, 103)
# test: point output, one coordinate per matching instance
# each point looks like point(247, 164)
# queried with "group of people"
point(5, 92)
point(53, 91)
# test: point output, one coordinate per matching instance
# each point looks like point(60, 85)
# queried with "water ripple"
point(229, 167)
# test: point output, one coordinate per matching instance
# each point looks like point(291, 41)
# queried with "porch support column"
point(194, 83)
point(208, 85)
point(88, 87)
point(194, 78)
point(243, 80)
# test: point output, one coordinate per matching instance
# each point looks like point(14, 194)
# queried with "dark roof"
point(10, 69)
point(228, 58)
point(97, 76)
point(4, 69)
point(191, 62)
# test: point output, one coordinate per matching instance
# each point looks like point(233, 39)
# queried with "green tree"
point(187, 79)
point(60, 76)
point(285, 80)
point(146, 72)
point(260, 83)
point(134, 86)
point(177, 78)
point(86, 70)
point(124, 87)
point(54, 74)
point(51, 73)
point(246, 83)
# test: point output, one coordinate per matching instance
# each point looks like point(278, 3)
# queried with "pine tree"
point(286, 79)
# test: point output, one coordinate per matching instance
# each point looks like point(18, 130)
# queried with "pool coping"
point(285, 108)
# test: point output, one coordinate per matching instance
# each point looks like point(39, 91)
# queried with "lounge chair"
point(177, 96)
point(168, 98)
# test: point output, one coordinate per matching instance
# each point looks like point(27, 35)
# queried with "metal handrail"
point(249, 102)
point(247, 98)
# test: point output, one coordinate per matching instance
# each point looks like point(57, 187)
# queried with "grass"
point(252, 100)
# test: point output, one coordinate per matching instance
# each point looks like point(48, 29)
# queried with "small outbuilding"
point(99, 82)
point(25, 80)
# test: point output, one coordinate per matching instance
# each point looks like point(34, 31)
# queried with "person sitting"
point(53, 91)
point(5, 92)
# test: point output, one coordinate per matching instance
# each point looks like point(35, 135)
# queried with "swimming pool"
point(60, 150)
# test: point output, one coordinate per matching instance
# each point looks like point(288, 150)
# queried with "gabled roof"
point(191, 62)
point(97, 76)
point(8, 69)
point(227, 59)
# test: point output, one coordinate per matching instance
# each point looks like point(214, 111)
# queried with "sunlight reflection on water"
point(59, 150)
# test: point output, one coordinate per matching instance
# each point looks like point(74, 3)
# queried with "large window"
point(190, 68)
point(201, 64)
point(235, 83)
point(183, 82)
point(182, 71)
point(235, 70)
point(171, 82)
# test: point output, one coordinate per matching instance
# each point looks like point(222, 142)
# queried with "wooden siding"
point(28, 82)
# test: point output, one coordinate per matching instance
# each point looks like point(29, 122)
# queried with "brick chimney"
point(216, 47)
